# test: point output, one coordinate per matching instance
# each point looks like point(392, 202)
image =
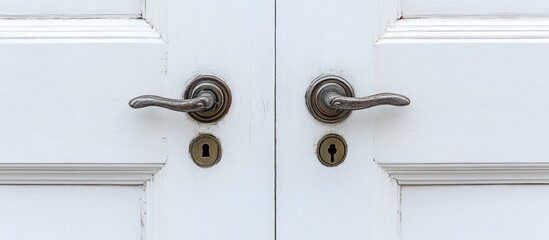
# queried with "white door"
point(76, 162)
point(467, 159)
point(464, 160)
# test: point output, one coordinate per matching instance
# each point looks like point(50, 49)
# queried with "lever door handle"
point(203, 102)
point(336, 101)
point(330, 99)
point(206, 99)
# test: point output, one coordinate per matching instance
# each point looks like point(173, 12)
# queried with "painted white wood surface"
point(65, 88)
point(476, 117)
point(71, 212)
point(235, 198)
point(466, 8)
point(85, 71)
point(504, 212)
point(314, 201)
point(71, 8)
point(471, 102)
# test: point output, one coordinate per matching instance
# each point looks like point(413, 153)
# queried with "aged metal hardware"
point(207, 99)
point(205, 150)
point(330, 99)
point(331, 150)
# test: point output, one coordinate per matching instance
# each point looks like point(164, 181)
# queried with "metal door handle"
point(203, 102)
point(330, 99)
point(206, 99)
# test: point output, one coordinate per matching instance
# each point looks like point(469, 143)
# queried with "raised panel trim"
point(395, 175)
point(79, 174)
point(467, 173)
point(125, 30)
point(466, 30)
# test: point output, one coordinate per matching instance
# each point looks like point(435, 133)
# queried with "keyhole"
point(332, 151)
point(205, 150)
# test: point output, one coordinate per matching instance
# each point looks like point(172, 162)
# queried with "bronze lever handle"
point(207, 99)
point(330, 99)
point(204, 101)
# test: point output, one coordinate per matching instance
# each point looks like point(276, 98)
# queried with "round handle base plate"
point(222, 98)
point(315, 94)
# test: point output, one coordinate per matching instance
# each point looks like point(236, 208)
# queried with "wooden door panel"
point(477, 117)
point(475, 97)
point(477, 122)
point(474, 212)
point(66, 86)
point(72, 212)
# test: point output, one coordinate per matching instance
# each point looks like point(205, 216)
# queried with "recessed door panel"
point(72, 212)
point(504, 212)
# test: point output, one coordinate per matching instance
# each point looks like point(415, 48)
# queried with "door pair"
point(77, 163)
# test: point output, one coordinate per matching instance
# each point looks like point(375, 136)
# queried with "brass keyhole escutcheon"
point(331, 150)
point(205, 150)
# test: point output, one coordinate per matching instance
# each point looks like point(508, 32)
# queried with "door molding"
point(146, 175)
point(77, 173)
point(466, 31)
point(467, 173)
point(392, 27)
point(394, 175)
point(79, 30)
